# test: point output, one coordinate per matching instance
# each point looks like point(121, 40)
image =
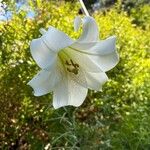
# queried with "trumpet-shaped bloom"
point(69, 68)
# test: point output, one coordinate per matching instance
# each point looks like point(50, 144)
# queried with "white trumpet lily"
point(68, 67)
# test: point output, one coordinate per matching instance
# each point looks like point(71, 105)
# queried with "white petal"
point(77, 23)
point(96, 80)
point(42, 31)
point(90, 30)
point(43, 56)
point(102, 53)
point(56, 40)
point(102, 47)
point(106, 62)
point(80, 78)
point(83, 60)
point(91, 80)
point(45, 81)
point(68, 92)
point(83, 46)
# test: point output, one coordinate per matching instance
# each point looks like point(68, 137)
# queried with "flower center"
point(69, 65)
point(72, 67)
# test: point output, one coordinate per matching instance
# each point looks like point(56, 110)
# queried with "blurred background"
point(116, 119)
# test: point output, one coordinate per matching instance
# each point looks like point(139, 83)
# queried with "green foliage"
point(117, 118)
point(141, 16)
point(129, 4)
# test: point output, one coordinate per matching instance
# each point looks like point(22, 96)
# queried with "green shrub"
point(141, 16)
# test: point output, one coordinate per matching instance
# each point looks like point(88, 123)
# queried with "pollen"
point(72, 67)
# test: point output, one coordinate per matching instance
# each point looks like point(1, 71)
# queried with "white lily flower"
point(70, 67)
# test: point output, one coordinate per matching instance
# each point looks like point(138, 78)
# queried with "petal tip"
point(56, 106)
point(42, 31)
point(77, 23)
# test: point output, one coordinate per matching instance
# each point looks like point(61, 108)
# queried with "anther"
point(72, 62)
point(69, 70)
point(72, 67)
point(75, 71)
point(76, 66)
point(67, 63)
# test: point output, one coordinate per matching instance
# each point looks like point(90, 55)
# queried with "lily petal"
point(77, 23)
point(102, 54)
point(102, 47)
point(96, 80)
point(106, 62)
point(83, 60)
point(68, 92)
point(79, 78)
point(56, 40)
point(43, 56)
point(91, 80)
point(90, 30)
point(45, 81)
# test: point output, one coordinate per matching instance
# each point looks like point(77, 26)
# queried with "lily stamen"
point(73, 67)
point(67, 63)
